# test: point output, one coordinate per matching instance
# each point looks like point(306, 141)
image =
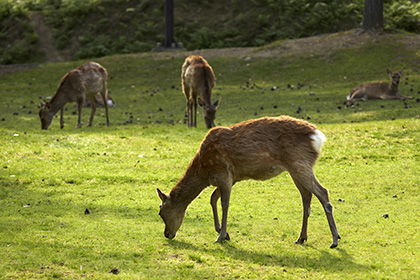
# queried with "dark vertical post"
point(169, 25)
point(373, 18)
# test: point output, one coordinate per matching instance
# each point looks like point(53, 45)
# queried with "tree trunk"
point(169, 25)
point(373, 16)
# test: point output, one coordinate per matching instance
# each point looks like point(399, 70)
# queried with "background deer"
point(378, 90)
point(198, 81)
point(256, 149)
point(84, 81)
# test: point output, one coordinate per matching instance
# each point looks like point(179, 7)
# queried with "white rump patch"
point(110, 103)
point(318, 140)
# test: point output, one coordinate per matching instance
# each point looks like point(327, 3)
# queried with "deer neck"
point(393, 87)
point(190, 185)
point(207, 95)
point(57, 103)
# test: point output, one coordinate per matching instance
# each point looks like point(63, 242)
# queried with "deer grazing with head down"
point(378, 90)
point(198, 81)
point(83, 82)
point(257, 149)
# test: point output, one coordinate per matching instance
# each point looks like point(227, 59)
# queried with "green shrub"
point(403, 14)
point(198, 24)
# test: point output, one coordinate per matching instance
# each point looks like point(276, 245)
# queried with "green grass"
point(370, 164)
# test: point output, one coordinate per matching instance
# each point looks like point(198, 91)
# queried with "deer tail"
point(318, 139)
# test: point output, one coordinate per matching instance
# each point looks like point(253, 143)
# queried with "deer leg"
point(195, 112)
point(186, 91)
point(358, 95)
point(308, 183)
point(105, 99)
point(225, 198)
point(61, 118)
point(322, 194)
point(94, 103)
point(404, 97)
point(80, 102)
point(306, 202)
point(189, 112)
point(213, 201)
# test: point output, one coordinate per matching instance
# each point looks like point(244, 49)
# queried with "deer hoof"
point(335, 242)
point(301, 240)
point(221, 239)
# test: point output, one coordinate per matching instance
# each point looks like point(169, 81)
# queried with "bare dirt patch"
point(320, 45)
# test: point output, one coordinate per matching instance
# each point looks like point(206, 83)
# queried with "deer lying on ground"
point(257, 149)
point(198, 81)
point(378, 90)
point(83, 82)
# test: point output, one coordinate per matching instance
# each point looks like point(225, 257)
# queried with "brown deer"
point(378, 90)
point(84, 81)
point(198, 81)
point(256, 149)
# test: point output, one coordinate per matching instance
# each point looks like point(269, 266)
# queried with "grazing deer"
point(378, 90)
point(198, 81)
point(84, 81)
point(256, 149)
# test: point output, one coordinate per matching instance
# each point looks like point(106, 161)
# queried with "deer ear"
point(201, 102)
point(217, 103)
point(401, 70)
point(388, 72)
point(162, 196)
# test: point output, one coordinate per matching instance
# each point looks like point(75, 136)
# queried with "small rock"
point(114, 271)
point(87, 212)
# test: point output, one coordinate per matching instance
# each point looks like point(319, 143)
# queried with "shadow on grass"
point(327, 261)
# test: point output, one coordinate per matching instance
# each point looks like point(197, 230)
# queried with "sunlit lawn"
point(80, 203)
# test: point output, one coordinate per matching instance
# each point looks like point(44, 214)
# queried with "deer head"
point(395, 76)
point(209, 112)
point(45, 115)
point(172, 215)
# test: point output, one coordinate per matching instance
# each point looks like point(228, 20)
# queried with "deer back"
point(260, 149)
point(198, 75)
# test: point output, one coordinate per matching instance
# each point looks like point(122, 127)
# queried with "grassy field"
point(78, 203)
